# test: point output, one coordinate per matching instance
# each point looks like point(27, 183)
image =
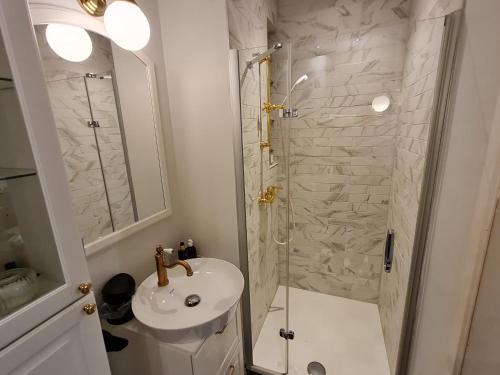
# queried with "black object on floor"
point(117, 297)
point(113, 343)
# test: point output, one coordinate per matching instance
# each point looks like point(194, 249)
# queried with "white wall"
point(135, 254)
point(482, 349)
point(195, 46)
point(459, 223)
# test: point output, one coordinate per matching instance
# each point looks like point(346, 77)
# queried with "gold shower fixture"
point(268, 107)
point(268, 196)
point(95, 8)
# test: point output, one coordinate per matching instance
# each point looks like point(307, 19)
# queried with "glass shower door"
point(280, 77)
point(264, 99)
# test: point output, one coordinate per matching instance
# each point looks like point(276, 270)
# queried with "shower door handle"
point(389, 251)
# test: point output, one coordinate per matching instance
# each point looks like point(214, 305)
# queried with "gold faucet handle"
point(159, 249)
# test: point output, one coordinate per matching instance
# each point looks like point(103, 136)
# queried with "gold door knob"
point(85, 287)
point(90, 308)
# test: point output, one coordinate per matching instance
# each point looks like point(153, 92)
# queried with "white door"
point(37, 226)
point(70, 343)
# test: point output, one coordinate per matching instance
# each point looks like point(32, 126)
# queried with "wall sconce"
point(127, 25)
point(124, 21)
point(381, 103)
point(72, 43)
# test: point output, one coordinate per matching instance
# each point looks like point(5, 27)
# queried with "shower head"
point(261, 56)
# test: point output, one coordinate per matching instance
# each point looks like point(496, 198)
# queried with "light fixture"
point(124, 21)
point(72, 43)
point(381, 103)
point(127, 25)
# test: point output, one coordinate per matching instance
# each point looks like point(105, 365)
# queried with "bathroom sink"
point(173, 317)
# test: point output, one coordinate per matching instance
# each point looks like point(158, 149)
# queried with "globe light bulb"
point(71, 43)
point(127, 25)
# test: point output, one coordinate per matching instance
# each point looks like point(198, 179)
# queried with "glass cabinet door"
point(41, 256)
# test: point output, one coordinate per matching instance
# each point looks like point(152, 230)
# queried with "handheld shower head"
point(299, 80)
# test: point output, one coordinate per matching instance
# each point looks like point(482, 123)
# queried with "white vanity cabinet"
point(44, 329)
point(219, 354)
point(65, 344)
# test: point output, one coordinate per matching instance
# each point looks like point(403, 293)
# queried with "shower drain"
point(316, 368)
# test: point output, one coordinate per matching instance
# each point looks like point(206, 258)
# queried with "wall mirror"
point(106, 114)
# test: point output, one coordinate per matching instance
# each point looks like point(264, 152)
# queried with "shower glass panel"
point(265, 144)
point(111, 146)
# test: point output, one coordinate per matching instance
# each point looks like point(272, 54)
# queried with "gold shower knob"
point(89, 308)
point(85, 287)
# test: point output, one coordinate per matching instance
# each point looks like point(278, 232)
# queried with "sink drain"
point(192, 300)
point(316, 368)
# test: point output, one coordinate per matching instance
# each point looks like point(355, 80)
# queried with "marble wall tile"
point(426, 9)
point(342, 153)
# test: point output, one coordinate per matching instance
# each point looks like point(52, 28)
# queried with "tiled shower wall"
point(248, 22)
point(70, 105)
point(418, 94)
point(342, 152)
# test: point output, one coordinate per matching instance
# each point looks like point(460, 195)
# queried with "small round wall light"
point(381, 103)
point(72, 43)
point(127, 25)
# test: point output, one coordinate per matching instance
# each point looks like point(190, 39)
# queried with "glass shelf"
point(12, 173)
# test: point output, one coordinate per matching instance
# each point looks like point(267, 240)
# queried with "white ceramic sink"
point(218, 283)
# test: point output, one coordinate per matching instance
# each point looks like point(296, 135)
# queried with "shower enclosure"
point(327, 176)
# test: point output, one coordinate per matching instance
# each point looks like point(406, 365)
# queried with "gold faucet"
point(161, 266)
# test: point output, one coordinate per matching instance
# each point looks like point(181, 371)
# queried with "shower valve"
point(287, 335)
point(268, 196)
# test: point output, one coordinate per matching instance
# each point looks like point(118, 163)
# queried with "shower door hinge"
point(289, 113)
point(93, 124)
point(287, 335)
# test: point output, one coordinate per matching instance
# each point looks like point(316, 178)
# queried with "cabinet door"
point(37, 230)
point(69, 343)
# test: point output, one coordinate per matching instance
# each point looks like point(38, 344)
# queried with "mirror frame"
point(59, 11)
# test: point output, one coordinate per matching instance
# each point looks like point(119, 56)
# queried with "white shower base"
point(342, 334)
